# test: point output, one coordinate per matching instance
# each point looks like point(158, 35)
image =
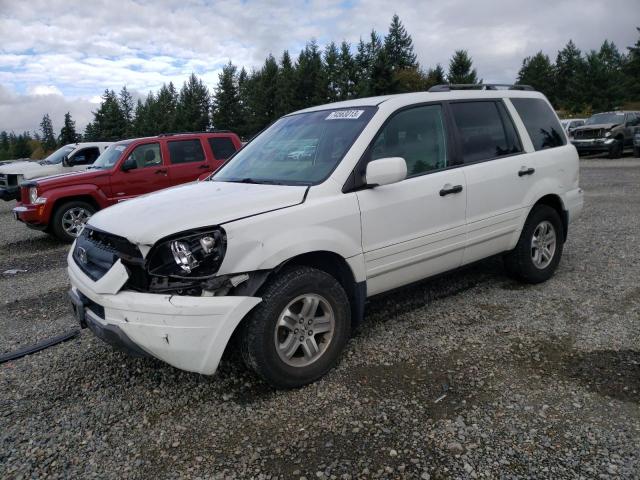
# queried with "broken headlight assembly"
point(189, 255)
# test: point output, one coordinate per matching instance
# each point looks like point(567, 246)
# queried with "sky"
point(60, 55)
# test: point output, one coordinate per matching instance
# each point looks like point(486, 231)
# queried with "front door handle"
point(526, 171)
point(448, 189)
point(163, 171)
point(204, 167)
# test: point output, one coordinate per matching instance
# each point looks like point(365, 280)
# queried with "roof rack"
point(213, 130)
point(479, 86)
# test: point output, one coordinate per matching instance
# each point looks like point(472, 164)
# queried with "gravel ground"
point(470, 375)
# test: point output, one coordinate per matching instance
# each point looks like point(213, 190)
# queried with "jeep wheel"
point(298, 331)
point(69, 218)
point(616, 149)
point(539, 248)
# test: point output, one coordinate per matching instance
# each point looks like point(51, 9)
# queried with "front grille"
point(586, 134)
point(96, 252)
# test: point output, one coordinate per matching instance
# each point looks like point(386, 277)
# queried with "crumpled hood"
point(147, 219)
point(596, 126)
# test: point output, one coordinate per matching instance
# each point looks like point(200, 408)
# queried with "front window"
point(110, 156)
point(300, 149)
point(57, 156)
point(602, 118)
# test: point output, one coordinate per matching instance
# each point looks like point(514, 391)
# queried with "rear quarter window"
point(541, 123)
point(222, 147)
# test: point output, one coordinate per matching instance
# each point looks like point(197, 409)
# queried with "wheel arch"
point(554, 201)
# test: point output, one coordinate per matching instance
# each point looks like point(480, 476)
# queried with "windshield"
point(300, 149)
point(109, 157)
point(57, 156)
point(600, 118)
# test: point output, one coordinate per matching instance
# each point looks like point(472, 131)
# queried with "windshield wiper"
point(252, 180)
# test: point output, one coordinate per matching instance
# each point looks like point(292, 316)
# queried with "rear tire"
point(539, 249)
point(278, 339)
point(69, 218)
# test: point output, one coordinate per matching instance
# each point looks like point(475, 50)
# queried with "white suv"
point(283, 249)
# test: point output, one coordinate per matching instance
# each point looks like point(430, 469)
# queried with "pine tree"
point(631, 71)
point(346, 73)
point(603, 80)
point(109, 120)
point(461, 69)
point(126, 105)
point(383, 81)
point(91, 133)
point(435, 76)
point(569, 69)
point(48, 138)
point(165, 104)
point(332, 72)
point(285, 86)
point(269, 87)
point(362, 70)
point(226, 100)
point(399, 46)
point(68, 131)
point(21, 147)
point(310, 81)
point(538, 72)
point(192, 113)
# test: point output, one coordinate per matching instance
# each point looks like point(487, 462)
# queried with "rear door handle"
point(447, 190)
point(204, 167)
point(526, 171)
point(162, 171)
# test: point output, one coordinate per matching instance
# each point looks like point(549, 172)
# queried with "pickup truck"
point(70, 158)
point(61, 204)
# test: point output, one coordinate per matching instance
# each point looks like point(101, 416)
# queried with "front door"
point(150, 173)
point(414, 228)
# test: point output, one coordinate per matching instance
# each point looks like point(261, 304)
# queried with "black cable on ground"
point(39, 346)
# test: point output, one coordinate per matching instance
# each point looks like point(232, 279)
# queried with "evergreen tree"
point(192, 112)
point(91, 133)
point(162, 108)
point(68, 132)
point(332, 72)
point(109, 120)
point(399, 47)
point(603, 80)
point(21, 147)
point(461, 69)
point(383, 81)
point(435, 76)
point(226, 100)
point(310, 81)
point(268, 105)
point(48, 138)
point(569, 70)
point(346, 73)
point(362, 65)
point(126, 105)
point(631, 70)
point(538, 72)
point(285, 86)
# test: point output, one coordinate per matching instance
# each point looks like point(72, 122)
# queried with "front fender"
point(86, 190)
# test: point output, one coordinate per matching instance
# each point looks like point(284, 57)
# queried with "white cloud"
point(51, 48)
point(40, 90)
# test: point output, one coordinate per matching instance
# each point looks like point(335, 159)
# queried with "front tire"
point(69, 219)
point(298, 331)
point(539, 249)
point(616, 149)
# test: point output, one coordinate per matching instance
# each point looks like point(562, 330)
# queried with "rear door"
point(150, 173)
point(187, 160)
point(414, 228)
point(222, 148)
point(493, 159)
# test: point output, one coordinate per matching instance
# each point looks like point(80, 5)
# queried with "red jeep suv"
point(61, 204)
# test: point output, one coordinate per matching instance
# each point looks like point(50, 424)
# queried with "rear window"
point(540, 121)
point(222, 147)
point(486, 131)
point(186, 151)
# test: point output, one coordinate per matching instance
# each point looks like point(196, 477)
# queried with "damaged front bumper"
point(9, 193)
point(186, 332)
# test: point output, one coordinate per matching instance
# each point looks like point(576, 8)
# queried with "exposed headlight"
point(607, 134)
point(196, 254)
point(34, 199)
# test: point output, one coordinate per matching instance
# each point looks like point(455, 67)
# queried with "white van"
point(324, 209)
point(72, 157)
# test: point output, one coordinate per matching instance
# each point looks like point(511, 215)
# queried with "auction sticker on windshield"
point(345, 115)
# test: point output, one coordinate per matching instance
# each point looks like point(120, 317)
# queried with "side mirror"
point(129, 164)
point(385, 171)
point(66, 161)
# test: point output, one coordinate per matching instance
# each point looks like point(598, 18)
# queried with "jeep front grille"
point(586, 134)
